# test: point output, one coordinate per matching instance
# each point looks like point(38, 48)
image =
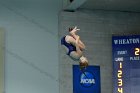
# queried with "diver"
point(74, 47)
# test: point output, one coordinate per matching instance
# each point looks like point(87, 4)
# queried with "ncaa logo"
point(87, 79)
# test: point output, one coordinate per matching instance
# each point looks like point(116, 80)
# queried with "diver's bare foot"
point(73, 31)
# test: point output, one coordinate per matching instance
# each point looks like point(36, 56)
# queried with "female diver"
point(74, 47)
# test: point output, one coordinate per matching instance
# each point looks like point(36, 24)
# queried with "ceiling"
point(120, 5)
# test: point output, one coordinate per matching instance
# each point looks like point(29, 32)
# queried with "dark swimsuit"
point(68, 45)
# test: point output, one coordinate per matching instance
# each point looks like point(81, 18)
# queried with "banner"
point(87, 81)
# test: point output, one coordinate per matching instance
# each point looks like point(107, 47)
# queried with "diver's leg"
point(71, 40)
point(74, 42)
point(73, 33)
point(81, 44)
point(78, 46)
point(77, 53)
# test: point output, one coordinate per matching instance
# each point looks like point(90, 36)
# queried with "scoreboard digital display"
point(126, 64)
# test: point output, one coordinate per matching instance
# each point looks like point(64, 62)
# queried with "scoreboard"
point(126, 64)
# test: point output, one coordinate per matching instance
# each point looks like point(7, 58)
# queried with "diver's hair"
point(83, 65)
